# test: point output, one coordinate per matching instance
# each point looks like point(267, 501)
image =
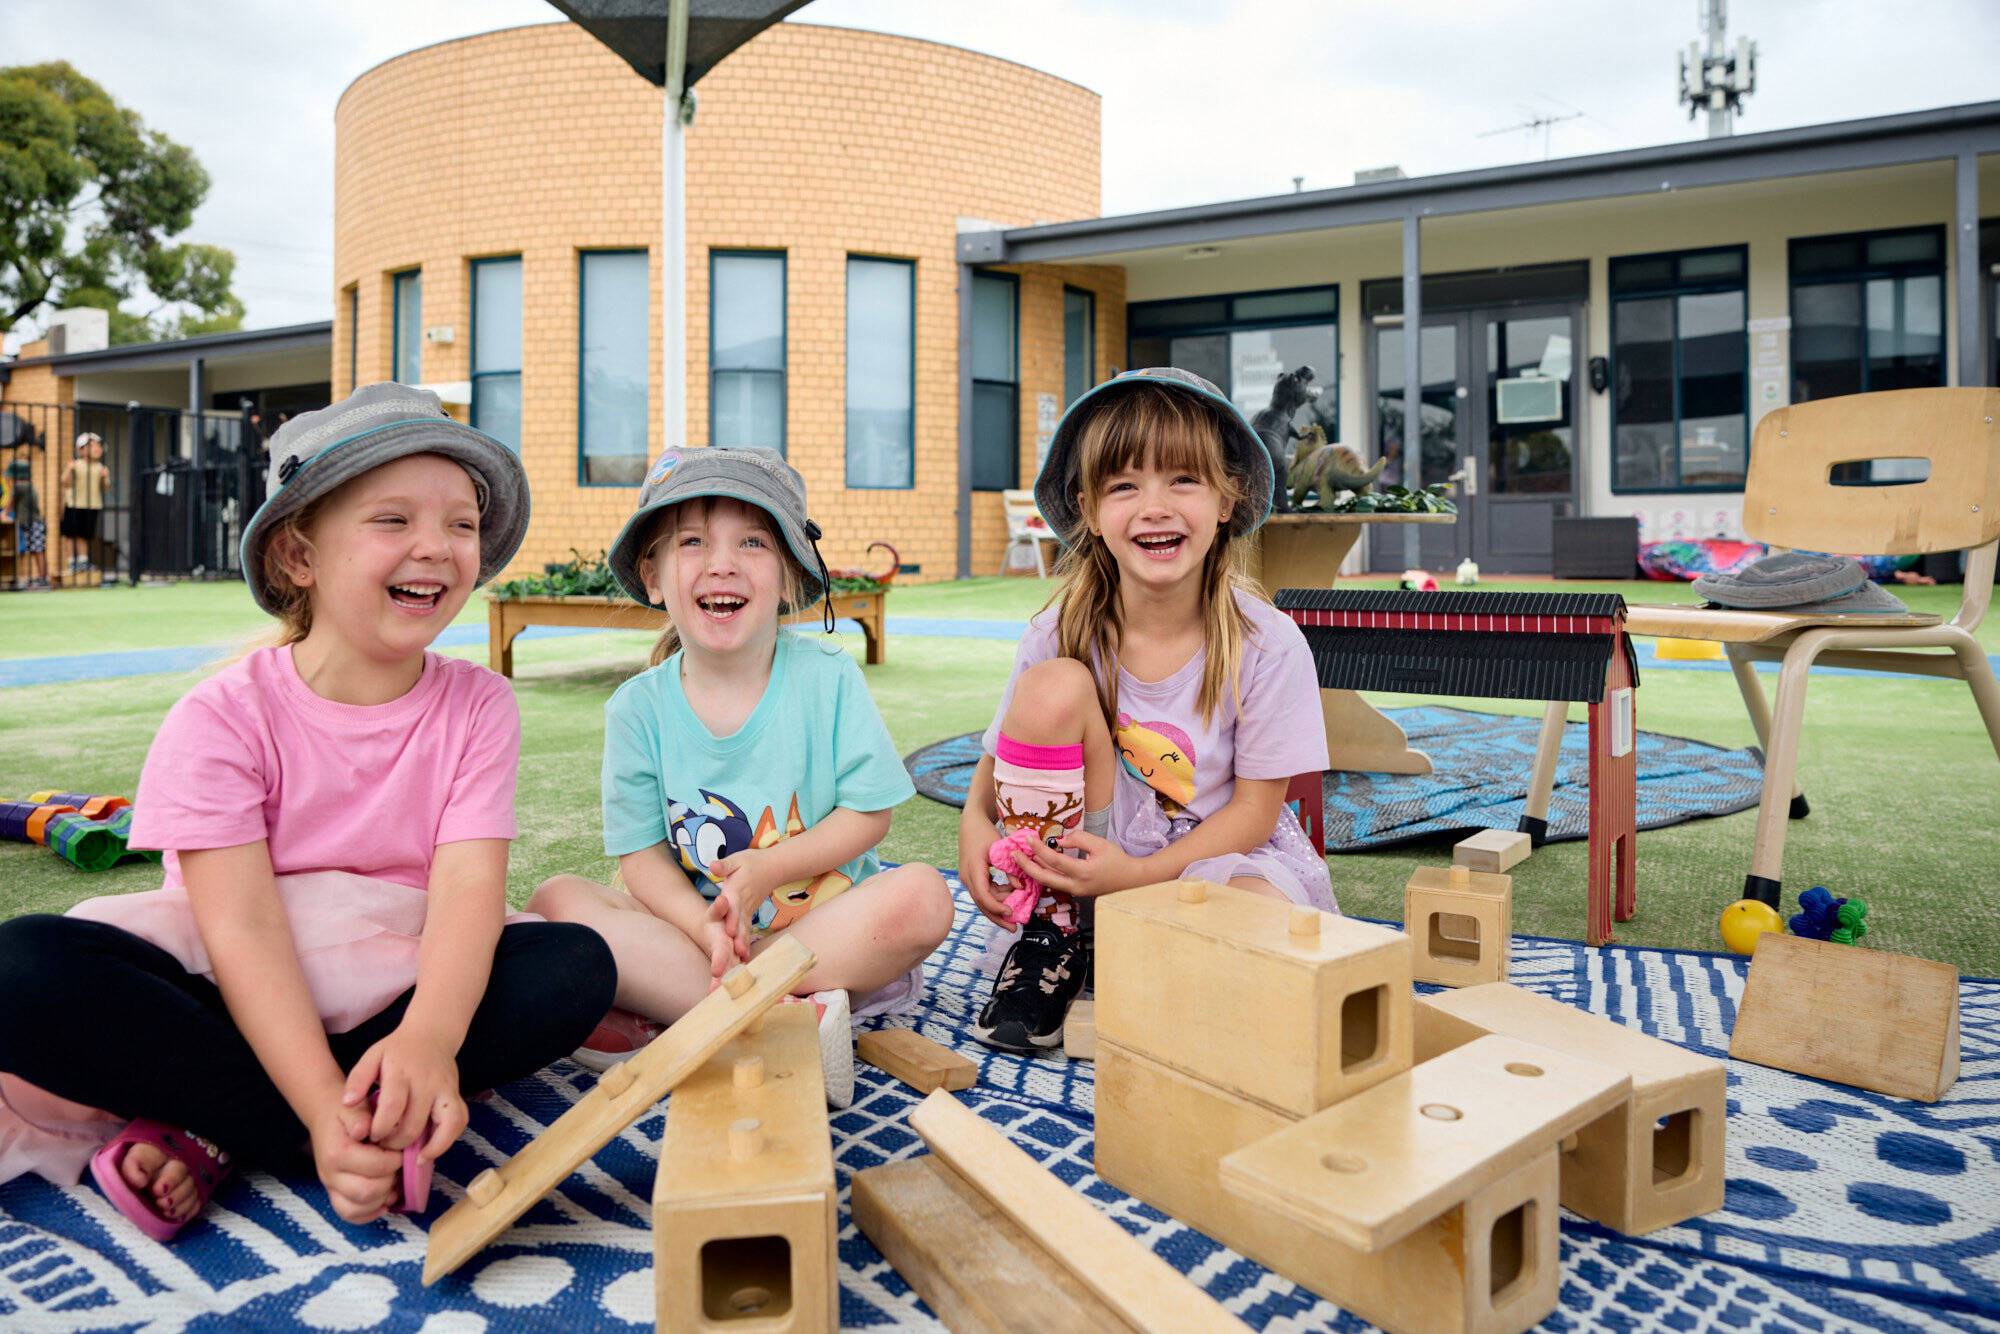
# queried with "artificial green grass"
point(1902, 779)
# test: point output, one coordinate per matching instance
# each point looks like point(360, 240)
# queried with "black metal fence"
point(182, 485)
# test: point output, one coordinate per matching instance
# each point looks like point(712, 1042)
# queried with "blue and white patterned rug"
point(1478, 780)
point(1845, 1209)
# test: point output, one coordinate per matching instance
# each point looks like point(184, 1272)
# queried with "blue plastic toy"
point(1821, 916)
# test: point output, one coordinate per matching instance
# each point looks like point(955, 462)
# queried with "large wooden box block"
point(744, 1205)
point(1460, 923)
point(1488, 1266)
point(1287, 1007)
point(1654, 1160)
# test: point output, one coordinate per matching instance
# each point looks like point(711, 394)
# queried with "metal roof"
point(1851, 145)
point(180, 351)
point(636, 30)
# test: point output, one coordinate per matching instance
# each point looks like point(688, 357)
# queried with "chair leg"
point(1542, 778)
point(1781, 767)
point(1752, 690)
point(1978, 671)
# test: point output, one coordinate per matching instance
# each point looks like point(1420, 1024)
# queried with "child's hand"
point(360, 1178)
point(418, 1082)
point(1104, 868)
point(974, 839)
point(740, 878)
point(720, 938)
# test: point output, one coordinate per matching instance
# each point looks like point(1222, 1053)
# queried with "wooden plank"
point(498, 1196)
point(1175, 962)
point(1080, 1031)
point(916, 1060)
point(1144, 1289)
point(1494, 851)
point(1369, 1171)
point(974, 1267)
point(1852, 1015)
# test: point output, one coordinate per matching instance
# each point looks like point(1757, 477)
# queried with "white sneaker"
point(836, 1046)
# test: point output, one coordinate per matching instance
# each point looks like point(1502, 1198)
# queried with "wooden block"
point(1492, 850)
point(1852, 1015)
point(1368, 1171)
point(744, 1204)
point(1489, 1265)
point(1080, 1031)
point(1460, 923)
point(916, 1060)
point(470, 1225)
point(977, 1270)
point(1215, 982)
point(1652, 1161)
point(1145, 1290)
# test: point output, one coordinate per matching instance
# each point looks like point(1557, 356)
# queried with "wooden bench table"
point(507, 617)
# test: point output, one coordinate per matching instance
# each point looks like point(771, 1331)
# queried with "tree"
point(88, 198)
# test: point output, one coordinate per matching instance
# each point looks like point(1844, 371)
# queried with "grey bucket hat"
point(376, 424)
point(754, 476)
point(1058, 483)
point(1797, 581)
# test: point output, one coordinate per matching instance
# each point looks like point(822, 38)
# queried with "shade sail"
point(637, 30)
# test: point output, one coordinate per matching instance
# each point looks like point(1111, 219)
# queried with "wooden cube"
point(1492, 850)
point(1489, 1265)
point(1289, 1007)
point(1852, 1015)
point(744, 1204)
point(1080, 1031)
point(1655, 1159)
point(1460, 923)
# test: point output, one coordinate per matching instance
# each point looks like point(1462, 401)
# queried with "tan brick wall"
point(817, 141)
point(32, 388)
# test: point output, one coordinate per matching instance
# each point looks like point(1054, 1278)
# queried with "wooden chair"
point(1025, 527)
point(1791, 502)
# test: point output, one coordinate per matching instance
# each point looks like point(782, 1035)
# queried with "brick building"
point(497, 230)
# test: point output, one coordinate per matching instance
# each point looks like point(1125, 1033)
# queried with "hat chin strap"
point(826, 587)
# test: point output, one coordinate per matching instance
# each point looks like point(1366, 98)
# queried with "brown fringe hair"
point(1168, 430)
point(791, 587)
point(295, 613)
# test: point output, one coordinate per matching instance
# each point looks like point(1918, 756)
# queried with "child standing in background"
point(84, 482)
point(31, 537)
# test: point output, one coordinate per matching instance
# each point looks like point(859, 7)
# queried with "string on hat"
point(825, 577)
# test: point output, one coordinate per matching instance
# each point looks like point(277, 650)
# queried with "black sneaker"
point(1039, 978)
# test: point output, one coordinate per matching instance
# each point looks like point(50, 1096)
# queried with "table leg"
point(872, 628)
point(500, 639)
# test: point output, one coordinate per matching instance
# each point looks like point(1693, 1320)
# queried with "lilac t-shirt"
point(253, 753)
point(1169, 755)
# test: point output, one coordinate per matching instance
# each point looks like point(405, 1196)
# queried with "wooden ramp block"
point(977, 1270)
point(616, 1102)
point(744, 1204)
point(1369, 1171)
point(1492, 850)
point(916, 1060)
point(1145, 1290)
point(1851, 1015)
point(1285, 1006)
point(1461, 925)
point(1488, 1266)
point(1654, 1160)
point(1080, 1031)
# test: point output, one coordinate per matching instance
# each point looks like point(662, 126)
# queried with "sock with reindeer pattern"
point(1039, 793)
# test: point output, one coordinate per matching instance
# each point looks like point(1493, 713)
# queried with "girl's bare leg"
point(1055, 704)
point(661, 973)
point(872, 933)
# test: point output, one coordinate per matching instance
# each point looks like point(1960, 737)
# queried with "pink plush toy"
point(1010, 856)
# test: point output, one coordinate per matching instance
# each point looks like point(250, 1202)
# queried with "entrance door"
point(1441, 426)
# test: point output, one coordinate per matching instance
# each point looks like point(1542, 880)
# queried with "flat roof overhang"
point(1882, 141)
point(181, 352)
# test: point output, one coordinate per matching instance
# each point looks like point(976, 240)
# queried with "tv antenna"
point(1539, 120)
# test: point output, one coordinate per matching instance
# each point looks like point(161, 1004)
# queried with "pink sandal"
point(206, 1165)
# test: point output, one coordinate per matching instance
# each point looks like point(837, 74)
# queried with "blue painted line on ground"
point(62, 670)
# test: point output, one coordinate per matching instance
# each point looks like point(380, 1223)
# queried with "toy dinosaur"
point(1292, 391)
point(1327, 469)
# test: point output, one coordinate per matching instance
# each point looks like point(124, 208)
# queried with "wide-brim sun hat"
point(376, 424)
point(1058, 483)
point(753, 476)
point(1799, 582)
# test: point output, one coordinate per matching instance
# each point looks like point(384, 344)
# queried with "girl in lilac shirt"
point(328, 969)
point(1158, 709)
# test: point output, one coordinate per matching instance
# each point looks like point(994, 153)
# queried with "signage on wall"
point(1048, 410)
point(1770, 362)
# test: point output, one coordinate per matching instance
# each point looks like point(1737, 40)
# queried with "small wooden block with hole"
point(499, 1195)
point(744, 1204)
point(1653, 1160)
point(1851, 1015)
point(1487, 1266)
point(1080, 1031)
point(1185, 969)
point(1460, 923)
point(916, 1060)
point(1492, 850)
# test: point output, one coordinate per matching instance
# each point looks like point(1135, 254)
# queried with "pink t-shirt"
point(253, 753)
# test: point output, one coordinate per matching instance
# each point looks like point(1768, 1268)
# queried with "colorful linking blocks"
point(89, 832)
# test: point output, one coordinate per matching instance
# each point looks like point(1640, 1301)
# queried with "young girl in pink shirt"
point(329, 968)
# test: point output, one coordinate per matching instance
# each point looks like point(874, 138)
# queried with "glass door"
point(1440, 429)
point(1521, 473)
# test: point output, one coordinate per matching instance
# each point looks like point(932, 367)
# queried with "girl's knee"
point(1056, 692)
point(924, 904)
point(560, 897)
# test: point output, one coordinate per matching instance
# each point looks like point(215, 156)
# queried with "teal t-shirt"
point(814, 742)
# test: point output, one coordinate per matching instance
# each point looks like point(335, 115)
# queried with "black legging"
point(93, 1013)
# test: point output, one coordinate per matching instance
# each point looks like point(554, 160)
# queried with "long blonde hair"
point(294, 602)
point(792, 574)
point(1169, 430)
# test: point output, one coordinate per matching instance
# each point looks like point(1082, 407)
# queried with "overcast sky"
point(1202, 101)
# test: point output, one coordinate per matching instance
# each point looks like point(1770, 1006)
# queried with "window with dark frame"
point(496, 348)
point(353, 337)
point(1079, 343)
point(1680, 353)
point(881, 439)
point(1244, 342)
point(406, 340)
point(996, 382)
point(614, 293)
point(746, 348)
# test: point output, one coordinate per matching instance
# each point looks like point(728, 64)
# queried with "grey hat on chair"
point(1794, 581)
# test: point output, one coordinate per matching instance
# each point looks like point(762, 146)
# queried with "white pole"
point(673, 234)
